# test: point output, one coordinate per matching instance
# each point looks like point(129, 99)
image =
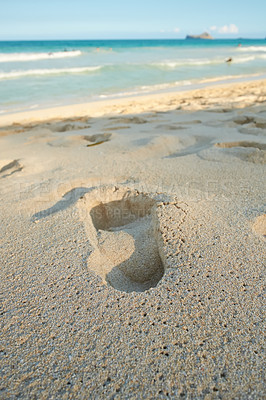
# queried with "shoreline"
point(213, 95)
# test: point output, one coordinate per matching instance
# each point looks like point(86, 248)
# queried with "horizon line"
point(170, 38)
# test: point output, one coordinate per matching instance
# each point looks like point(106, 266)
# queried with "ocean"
point(39, 74)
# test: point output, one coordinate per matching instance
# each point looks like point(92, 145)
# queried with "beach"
point(133, 247)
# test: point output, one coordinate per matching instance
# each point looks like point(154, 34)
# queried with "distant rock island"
point(204, 35)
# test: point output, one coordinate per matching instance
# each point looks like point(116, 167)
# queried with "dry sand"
point(133, 248)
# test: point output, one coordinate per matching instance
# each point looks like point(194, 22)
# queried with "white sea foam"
point(163, 86)
point(228, 78)
point(241, 60)
point(252, 48)
point(40, 72)
point(199, 62)
point(152, 88)
point(250, 58)
point(195, 82)
point(179, 85)
point(187, 62)
point(147, 89)
point(11, 57)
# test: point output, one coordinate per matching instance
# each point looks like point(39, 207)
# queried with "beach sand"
point(133, 247)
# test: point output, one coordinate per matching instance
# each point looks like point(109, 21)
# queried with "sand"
point(133, 247)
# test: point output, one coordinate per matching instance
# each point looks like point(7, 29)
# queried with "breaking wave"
point(174, 64)
point(11, 57)
point(199, 62)
point(40, 72)
point(252, 48)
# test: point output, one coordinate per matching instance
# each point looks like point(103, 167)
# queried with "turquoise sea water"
point(36, 74)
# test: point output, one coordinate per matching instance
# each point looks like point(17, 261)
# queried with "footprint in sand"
point(127, 120)
point(247, 151)
point(15, 129)
point(9, 167)
point(97, 139)
point(67, 125)
point(251, 130)
point(249, 119)
point(243, 120)
point(150, 147)
point(250, 125)
point(168, 127)
point(253, 152)
point(54, 126)
point(259, 226)
point(121, 226)
point(200, 143)
point(93, 140)
point(117, 128)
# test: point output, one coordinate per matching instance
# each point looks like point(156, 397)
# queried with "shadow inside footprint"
point(125, 254)
point(97, 139)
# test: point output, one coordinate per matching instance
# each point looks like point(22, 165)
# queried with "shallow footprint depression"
point(125, 254)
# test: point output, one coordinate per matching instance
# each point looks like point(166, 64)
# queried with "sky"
point(130, 19)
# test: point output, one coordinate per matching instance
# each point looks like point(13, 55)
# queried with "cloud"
point(213, 28)
point(176, 30)
point(232, 28)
